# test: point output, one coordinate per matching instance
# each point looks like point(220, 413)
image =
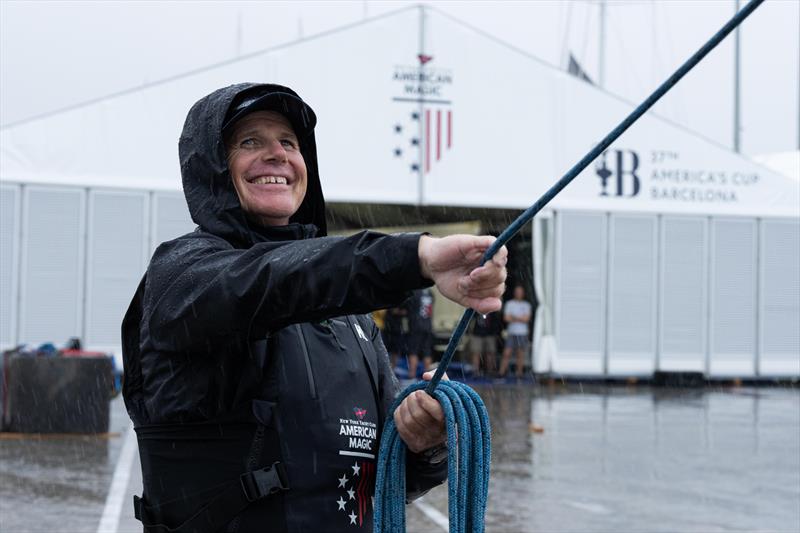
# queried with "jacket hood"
point(207, 184)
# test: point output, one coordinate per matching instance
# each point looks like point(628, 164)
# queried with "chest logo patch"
point(359, 412)
point(360, 332)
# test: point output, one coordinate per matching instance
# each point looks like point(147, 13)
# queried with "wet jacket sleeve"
point(202, 291)
point(421, 475)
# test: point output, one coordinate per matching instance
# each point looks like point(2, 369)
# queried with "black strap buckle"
point(137, 507)
point(264, 482)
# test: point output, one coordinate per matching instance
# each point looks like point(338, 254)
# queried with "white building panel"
point(116, 259)
point(9, 262)
point(580, 300)
point(632, 295)
point(170, 218)
point(52, 273)
point(733, 297)
point(779, 302)
point(683, 298)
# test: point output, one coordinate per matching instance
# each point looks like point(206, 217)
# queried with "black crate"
point(57, 394)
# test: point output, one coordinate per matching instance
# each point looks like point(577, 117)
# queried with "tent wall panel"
point(581, 292)
point(733, 297)
point(116, 259)
point(779, 302)
point(632, 294)
point(9, 262)
point(683, 294)
point(170, 218)
point(543, 261)
point(52, 273)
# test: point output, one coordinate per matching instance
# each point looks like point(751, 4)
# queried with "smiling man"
point(267, 168)
point(257, 387)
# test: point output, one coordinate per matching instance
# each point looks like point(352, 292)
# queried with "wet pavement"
point(565, 459)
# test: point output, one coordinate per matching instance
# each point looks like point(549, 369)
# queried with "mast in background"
point(601, 49)
point(736, 88)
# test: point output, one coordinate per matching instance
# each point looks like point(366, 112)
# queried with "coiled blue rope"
point(473, 475)
point(469, 433)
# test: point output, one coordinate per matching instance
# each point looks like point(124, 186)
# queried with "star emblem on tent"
point(407, 143)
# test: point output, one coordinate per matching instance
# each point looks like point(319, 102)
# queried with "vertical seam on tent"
point(606, 294)
point(17, 333)
point(83, 258)
point(710, 255)
point(659, 282)
point(759, 240)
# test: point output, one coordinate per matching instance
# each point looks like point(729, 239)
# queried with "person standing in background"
point(517, 314)
point(420, 336)
point(395, 332)
point(483, 342)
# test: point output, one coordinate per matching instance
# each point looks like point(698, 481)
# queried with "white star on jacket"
point(342, 502)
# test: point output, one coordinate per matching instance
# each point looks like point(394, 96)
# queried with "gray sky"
point(57, 54)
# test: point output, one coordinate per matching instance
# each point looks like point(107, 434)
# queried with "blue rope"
point(470, 475)
point(469, 433)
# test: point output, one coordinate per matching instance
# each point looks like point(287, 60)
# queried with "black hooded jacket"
point(244, 347)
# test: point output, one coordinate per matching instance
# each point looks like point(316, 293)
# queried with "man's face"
point(519, 293)
point(267, 168)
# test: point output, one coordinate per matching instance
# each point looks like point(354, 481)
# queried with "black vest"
point(317, 416)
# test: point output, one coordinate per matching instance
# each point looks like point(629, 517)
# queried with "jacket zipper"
point(307, 358)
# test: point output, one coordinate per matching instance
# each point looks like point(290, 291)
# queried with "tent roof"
point(479, 124)
point(784, 163)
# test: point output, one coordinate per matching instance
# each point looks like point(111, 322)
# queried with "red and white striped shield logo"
point(423, 130)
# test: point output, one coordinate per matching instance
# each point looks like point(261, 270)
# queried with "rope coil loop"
point(468, 433)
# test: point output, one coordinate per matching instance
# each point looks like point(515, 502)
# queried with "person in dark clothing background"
point(483, 342)
point(420, 334)
point(257, 387)
point(396, 333)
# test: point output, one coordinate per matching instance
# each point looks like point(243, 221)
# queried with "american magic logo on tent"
point(423, 127)
point(661, 176)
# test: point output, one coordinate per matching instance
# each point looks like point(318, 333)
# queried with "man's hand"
point(420, 419)
point(452, 264)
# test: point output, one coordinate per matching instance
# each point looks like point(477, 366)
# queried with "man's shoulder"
point(174, 256)
point(195, 240)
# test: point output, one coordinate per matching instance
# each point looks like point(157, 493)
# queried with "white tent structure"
point(786, 163)
point(670, 253)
